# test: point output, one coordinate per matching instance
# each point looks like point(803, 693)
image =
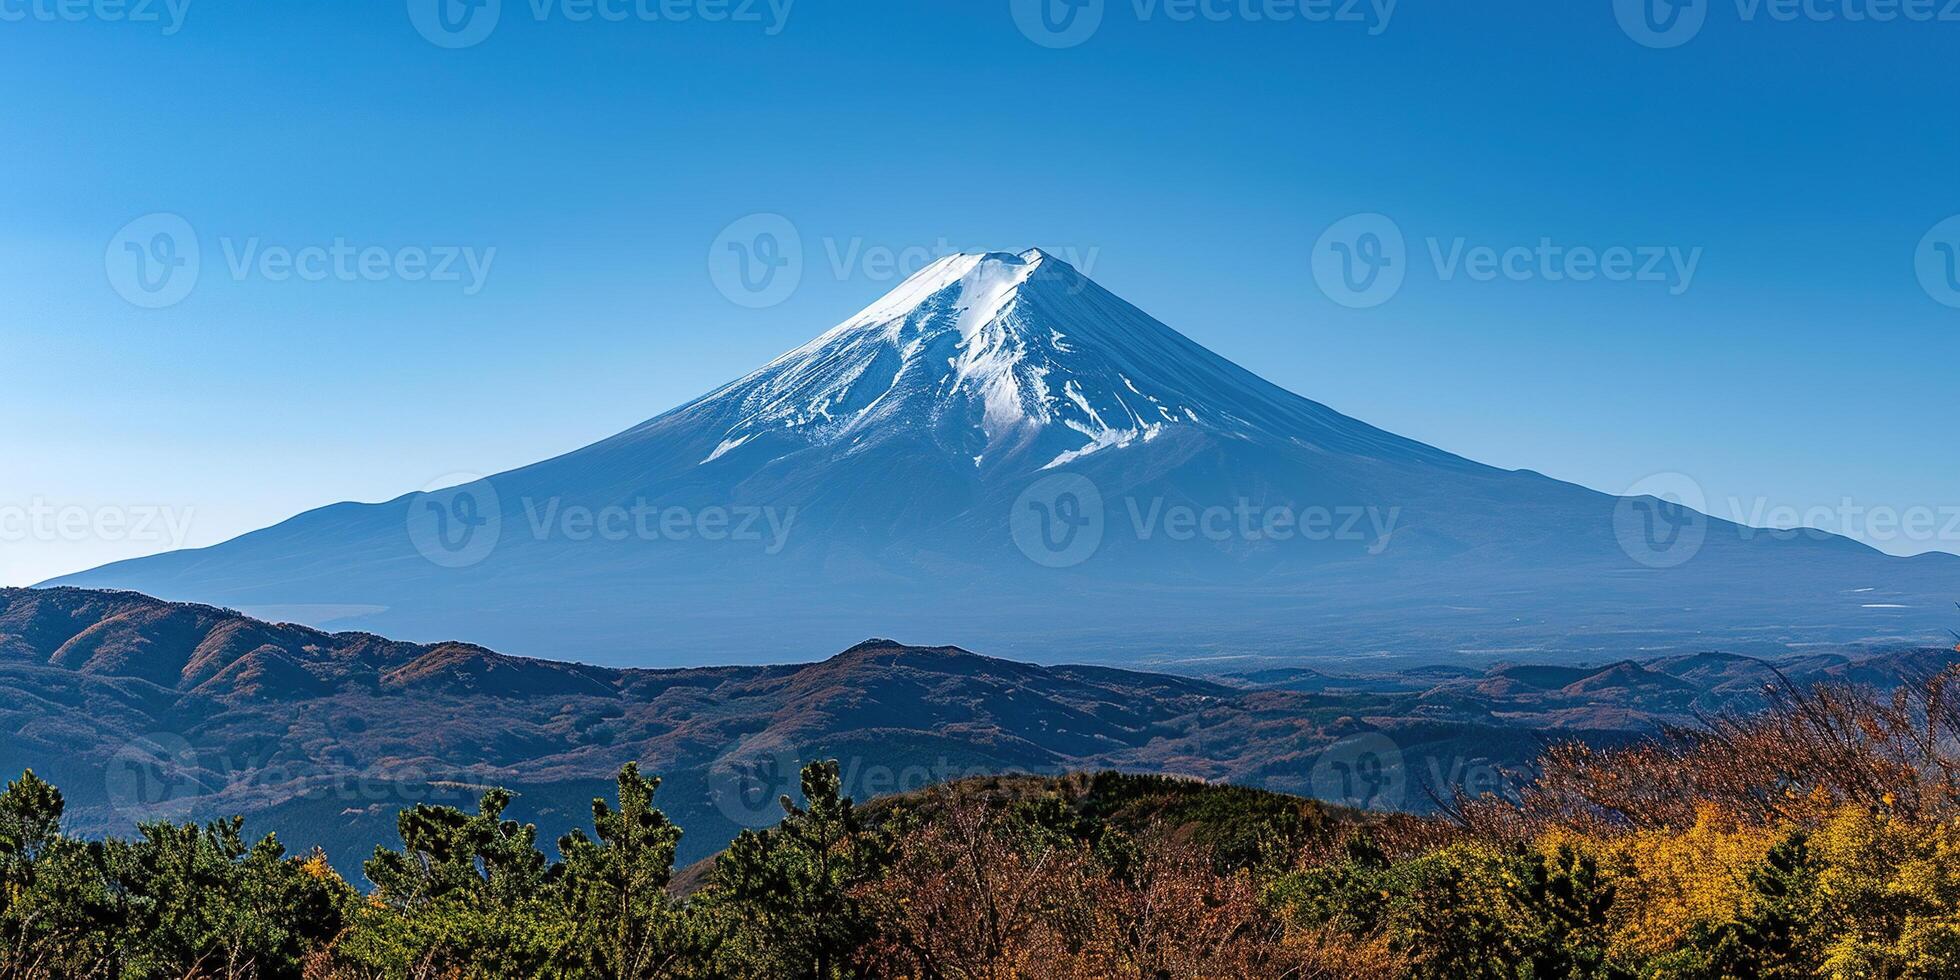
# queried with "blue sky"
point(1190, 163)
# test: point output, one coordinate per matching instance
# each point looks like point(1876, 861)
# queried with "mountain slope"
point(915, 467)
point(139, 709)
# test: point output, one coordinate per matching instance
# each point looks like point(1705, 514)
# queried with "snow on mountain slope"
point(1012, 358)
point(879, 471)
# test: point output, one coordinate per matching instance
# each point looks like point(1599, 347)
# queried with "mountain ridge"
point(899, 473)
point(323, 736)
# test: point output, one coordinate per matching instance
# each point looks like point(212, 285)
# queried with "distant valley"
point(140, 708)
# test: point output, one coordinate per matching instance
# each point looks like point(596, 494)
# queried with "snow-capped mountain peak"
point(992, 353)
point(875, 478)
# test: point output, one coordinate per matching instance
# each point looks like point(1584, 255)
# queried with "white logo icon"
point(1661, 23)
point(153, 261)
point(1361, 260)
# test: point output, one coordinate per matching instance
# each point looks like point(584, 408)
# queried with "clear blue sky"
point(1196, 161)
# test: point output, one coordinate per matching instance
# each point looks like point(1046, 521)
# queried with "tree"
point(30, 822)
point(794, 884)
point(199, 900)
point(1562, 903)
point(464, 893)
point(971, 895)
point(54, 897)
point(615, 889)
point(1771, 937)
point(448, 853)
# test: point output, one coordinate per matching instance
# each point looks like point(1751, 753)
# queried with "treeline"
point(1820, 839)
point(986, 883)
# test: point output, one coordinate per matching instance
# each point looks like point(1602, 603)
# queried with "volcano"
point(1000, 453)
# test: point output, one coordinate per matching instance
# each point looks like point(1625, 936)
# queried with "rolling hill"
point(143, 709)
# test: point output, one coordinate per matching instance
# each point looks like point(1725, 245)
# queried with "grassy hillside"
point(1819, 838)
point(142, 709)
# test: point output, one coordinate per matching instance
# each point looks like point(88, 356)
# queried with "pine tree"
point(616, 890)
point(794, 884)
point(1563, 903)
